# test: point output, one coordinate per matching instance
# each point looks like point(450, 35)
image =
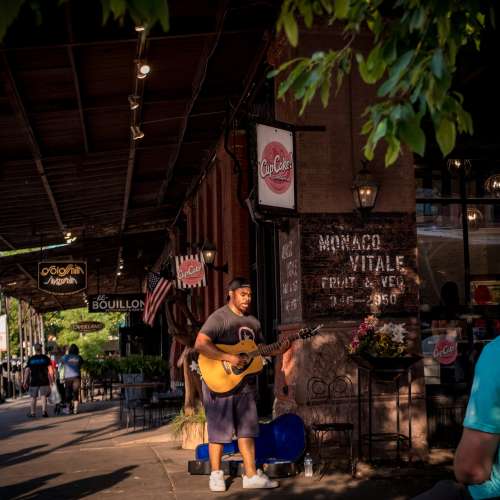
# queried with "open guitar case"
point(278, 449)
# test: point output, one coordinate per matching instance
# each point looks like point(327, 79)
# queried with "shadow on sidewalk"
point(23, 455)
point(29, 490)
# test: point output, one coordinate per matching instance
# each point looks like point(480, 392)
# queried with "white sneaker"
point(216, 482)
point(260, 480)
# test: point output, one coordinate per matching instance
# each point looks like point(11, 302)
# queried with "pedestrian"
point(234, 414)
point(72, 363)
point(38, 378)
point(477, 458)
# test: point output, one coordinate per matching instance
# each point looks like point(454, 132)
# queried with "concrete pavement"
point(89, 456)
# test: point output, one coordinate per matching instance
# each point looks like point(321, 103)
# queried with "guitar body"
point(222, 378)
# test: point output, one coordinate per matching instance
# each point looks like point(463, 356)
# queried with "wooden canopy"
point(68, 162)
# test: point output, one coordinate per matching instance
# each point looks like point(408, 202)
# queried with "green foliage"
point(150, 366)
point(412, 61)
point(146, 12)
point(90, 344)
point(182, 419)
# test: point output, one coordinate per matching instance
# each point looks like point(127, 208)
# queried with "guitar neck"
point(266, 349)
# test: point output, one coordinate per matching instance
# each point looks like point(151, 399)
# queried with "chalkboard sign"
point(290, 275)
point(352, 267)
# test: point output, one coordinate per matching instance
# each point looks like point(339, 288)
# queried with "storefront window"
point(440, 248)
point(459, 268)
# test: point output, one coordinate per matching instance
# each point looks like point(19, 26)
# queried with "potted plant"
point(191, 429)
point(381, 347)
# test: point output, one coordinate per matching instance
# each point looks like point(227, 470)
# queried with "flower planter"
point(385, 368)
point(193, 434)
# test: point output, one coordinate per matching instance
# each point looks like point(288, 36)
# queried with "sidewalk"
point(89, 456)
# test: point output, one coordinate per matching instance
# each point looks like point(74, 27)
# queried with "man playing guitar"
point(234, 414)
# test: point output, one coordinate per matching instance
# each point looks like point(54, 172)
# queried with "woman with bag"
point(72, 363)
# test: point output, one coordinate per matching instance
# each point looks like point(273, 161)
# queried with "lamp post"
point(364, 190)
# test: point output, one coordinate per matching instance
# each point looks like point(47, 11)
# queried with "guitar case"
point(278, 449)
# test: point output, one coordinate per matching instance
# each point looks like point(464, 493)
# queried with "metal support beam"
point(20, 111)
point(199, 80)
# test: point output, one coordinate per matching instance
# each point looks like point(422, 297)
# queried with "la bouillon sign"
point(62, 278)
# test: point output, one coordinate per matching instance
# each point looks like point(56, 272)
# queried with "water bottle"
point(308, 465)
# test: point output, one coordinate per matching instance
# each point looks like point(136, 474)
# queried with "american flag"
point(157, 290)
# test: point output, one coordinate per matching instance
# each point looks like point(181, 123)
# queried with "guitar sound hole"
point(238, 371)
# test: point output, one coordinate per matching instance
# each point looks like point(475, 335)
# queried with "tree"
point(144, 12)
point(91, 344)
point(412, 61)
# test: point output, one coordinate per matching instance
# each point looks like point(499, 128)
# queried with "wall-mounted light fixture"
point(209, 251)
point(459, 166)
point(364, 190)
point(140, 27)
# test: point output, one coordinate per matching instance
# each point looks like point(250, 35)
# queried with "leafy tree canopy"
point(90, 344)
point(144, 12)
point(412, 62)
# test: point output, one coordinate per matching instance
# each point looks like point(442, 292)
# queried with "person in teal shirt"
point(477, 458)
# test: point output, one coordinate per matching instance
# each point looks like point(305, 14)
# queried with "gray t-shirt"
point(224, 326)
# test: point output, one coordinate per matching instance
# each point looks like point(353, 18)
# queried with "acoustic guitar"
point(223, 379)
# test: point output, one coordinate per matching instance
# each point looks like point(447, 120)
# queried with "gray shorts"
point(39, 390)
point(228, 416)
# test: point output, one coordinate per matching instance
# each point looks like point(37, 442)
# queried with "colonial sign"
point(62, 278)
point(190, 271)
point(352, 267)
point(87, 326)
point(290, 279)
point(275, 167)
point(116, 303)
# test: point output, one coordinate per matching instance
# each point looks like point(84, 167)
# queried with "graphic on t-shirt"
point(246, 333)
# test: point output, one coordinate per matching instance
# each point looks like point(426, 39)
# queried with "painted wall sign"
point(275, 167)
point(87, 326)
point(62, 278)
point(290, 275)
point(190, 271)
point(352, 267)
point(116, 303)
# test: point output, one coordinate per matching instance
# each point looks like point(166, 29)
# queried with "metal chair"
point(335, 399)
point(133, 399)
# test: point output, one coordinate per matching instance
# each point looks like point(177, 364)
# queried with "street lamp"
point(364, 190)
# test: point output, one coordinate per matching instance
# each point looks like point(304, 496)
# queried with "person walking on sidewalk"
point(38, 377)
point(235, 414)
point(72, 363)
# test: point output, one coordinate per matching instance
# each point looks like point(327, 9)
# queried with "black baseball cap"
point(239, 282)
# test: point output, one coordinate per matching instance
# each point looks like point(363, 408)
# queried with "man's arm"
point(474, 456)
point(205, 346)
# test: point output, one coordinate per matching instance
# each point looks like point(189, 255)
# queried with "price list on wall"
point(290, 274)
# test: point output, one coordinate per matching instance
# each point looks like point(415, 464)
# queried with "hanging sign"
point(275, 167)
point(62, 278)
point(190, 271)
point(3, 332)
point(87, 326)
point(132, 302)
